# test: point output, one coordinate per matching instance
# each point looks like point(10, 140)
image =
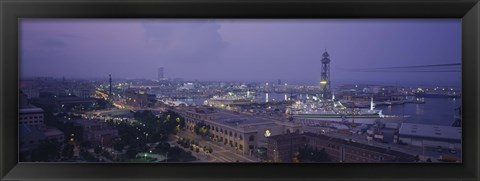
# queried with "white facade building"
point(431, 135)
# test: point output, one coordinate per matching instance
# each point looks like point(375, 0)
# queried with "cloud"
point(188, 41)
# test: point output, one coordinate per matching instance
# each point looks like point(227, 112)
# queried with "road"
point(220, 153)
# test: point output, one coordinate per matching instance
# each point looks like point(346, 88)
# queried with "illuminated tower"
point(325, 77)
point(266, 92)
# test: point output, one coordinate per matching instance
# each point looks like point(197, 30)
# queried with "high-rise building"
point(160, 73)
point(110, 86)
point(325, 91)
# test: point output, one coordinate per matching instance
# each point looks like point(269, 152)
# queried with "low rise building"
point(281, 148)
point(72, 103)
point(338, 150)
point(341, 150)
point(430, 135)
point(30, 138)
point(33, 130)
point(139, 99)
point(245, 133)
point(84, 91)
point(96, 131)
point(31, 117)
point(31, 92)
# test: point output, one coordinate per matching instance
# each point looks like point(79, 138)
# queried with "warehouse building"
point(424, 135)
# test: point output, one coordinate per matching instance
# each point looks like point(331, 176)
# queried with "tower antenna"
point(325, 76)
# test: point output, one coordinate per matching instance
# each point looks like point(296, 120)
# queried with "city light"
point(239, 117)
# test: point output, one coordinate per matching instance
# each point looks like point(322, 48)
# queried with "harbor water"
point(437, 111)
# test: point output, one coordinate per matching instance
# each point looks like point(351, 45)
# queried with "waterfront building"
point(423, 135)
point(281, 148)
point(244, 133)
point(338, 150)
point(342, 150)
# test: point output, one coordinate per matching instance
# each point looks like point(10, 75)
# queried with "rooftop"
point(52, 132)
point(74, 100)
point(238, 119)
point(285, 136)
point(233, 119)
point(431, 131)
point(400, 156)
point(87, 122)
point(30, 110)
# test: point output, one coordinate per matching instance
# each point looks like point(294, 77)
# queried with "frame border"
point(12, 10)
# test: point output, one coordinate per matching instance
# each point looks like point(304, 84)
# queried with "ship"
point(313, 109)
point(230, 99)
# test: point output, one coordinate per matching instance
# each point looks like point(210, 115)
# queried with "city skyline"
point(178, 90)
point(238, 50)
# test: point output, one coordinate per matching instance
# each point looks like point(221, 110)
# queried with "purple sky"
point(261, 50)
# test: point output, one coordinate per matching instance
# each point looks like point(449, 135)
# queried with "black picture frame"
point(12, 10)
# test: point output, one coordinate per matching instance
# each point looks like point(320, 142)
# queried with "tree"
point(201, 129)
point(147, 118)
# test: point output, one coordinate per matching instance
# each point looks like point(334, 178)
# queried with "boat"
point(312, 109)
point(230, 99)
